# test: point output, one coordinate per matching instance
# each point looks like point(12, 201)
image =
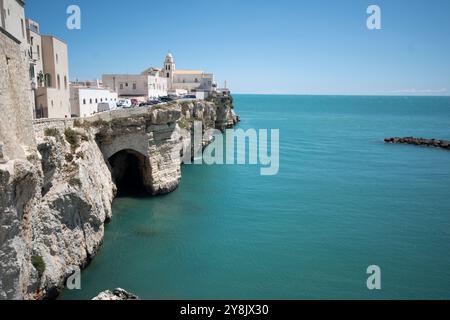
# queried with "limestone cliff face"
point(150, 133)
point(55, 200)
point(53, 207)
point(217, 113)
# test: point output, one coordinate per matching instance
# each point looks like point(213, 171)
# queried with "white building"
point(85, 97)
point(53, 93)
point(149, 84)
point(34, 52)
point(190, 80)
point(155, 82)
point(12, 19)
point(35, 58)
point(49, 68)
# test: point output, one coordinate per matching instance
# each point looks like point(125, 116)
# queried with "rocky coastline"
point(116, 294)
point(433, 143)
point(57, 197)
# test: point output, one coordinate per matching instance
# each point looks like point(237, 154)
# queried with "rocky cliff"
point(55, 201)
point(53, 209)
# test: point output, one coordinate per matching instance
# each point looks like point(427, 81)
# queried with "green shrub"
point(99, 123)
point(84, 137)
point(51, 132)
point(77, 123)
point(81, 124)
point(120, 122)
point(39, 264)
point(72, 138)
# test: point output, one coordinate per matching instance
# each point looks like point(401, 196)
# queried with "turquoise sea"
point(343, 200)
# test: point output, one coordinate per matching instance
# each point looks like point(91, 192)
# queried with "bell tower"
point(169, 68)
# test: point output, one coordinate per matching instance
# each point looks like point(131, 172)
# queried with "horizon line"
point(343, 94)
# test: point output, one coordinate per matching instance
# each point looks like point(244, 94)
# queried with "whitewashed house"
point(85, 97)
point(156, 82)
point(149, 84)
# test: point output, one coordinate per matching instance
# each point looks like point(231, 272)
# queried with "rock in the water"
point(444, 144)
point(117, 294)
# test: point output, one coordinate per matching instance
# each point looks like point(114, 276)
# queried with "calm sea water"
point(343, 200)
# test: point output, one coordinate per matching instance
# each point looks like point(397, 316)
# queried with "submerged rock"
point(116, 294)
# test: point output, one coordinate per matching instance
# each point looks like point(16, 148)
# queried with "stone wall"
point(16, 108)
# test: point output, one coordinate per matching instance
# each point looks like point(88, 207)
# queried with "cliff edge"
point(55, 201)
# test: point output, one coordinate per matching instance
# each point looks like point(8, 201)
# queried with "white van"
point(124, 103)
point(106, 106)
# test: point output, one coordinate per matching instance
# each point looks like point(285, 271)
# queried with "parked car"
point(190, 96)
point(166, 99)
point(153, 102)
point(106, 106)
point(134, 102)
point(174, 97)
point(124, 103)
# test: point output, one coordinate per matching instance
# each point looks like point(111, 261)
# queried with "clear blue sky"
point(282, 46)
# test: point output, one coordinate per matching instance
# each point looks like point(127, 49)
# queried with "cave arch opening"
point(128, 169)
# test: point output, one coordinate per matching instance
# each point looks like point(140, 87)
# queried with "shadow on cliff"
point(127, 168)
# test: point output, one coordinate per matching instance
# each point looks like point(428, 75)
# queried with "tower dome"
point(169, 58)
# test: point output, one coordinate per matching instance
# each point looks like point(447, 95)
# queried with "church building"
point(190, 80)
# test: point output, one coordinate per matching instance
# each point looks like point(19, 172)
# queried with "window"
point(90, 101)
point(57, 58)
point(38, 52)
point(59, 81)
point(84, 101)
point(169, 67)
point(167, 75)
point(48, 80)
point(126, 84)
point(96, 101)
point(65, 82)
point(121, 86)
point(134, 86)
point(31, 72)
point(196, 80)
point(23, 28)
